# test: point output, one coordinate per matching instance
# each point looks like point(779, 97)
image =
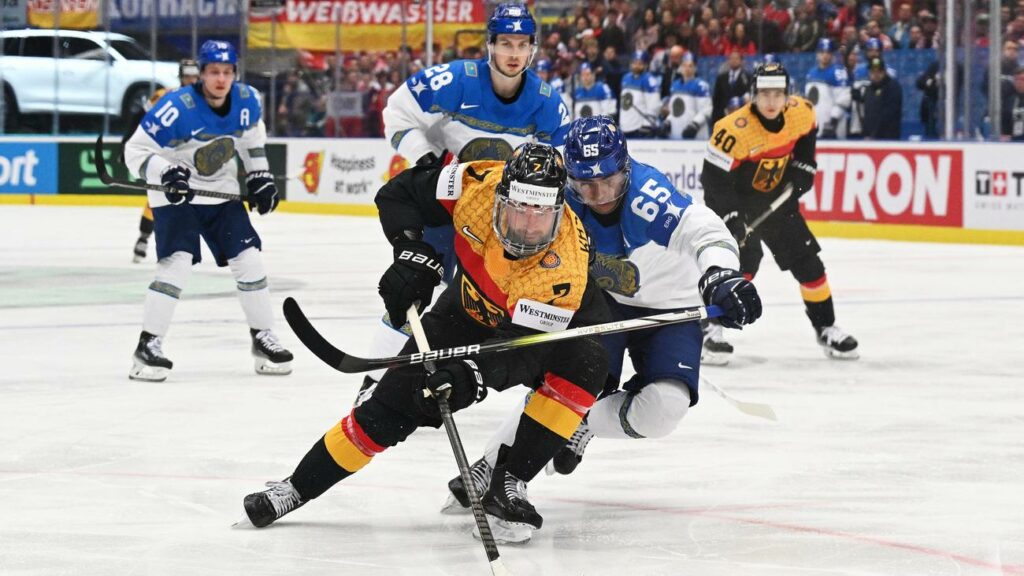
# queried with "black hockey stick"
point(106, 178)
point(350, 364)
point(749, 228)
point(486, 537)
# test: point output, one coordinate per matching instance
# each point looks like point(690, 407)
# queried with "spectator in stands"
point(883, 104)
point(766, 33)
point(738, 40)
point(1007, 67)
point(612, 32)
point(779, 11)
point(873, 29)
point(1012, 126)
point(647, 35)
point(614, 69)
point(928, 84)
point(803, 33)
point(929, 29)
point(877, 13)
point(713, 44)
point(899, 32)
point(734, 81)
point(916, 41)
point(671, 69)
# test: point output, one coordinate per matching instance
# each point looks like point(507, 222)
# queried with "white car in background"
point(73, 81)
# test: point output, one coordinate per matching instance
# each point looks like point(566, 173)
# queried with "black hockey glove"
point(737, 227)
point(262, 191)
point(176, 178)
point(733, 293)
point(412, 276)
point(801, 176)
point(459, 381)
point(829, 133)
point(691, 130)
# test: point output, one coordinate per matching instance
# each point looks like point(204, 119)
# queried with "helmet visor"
point(525, 229)
point(598, 191)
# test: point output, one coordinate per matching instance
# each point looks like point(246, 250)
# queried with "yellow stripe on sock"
point(344, 452)
point(553, 415)
point(819, 294)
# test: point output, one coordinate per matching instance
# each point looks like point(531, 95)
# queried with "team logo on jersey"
point(485, 149)
point(615, 275)
point(769, 173)
point(478, 307)
point(311, 168)
point(550, 260)
point(212, 157)
point(678, 107)
point(813, 95)
point(627, 100)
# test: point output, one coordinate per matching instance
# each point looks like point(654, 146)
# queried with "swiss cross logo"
point(997, 183)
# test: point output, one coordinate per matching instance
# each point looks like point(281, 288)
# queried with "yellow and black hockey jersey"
point(746, 156)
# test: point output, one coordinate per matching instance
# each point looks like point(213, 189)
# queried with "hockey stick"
point(106, 178)
point(752, 408)
point(344, 362)
point(486, 537)
point(749, 228)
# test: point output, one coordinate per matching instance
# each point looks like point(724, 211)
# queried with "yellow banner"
point(320, 37)
point(74, 14)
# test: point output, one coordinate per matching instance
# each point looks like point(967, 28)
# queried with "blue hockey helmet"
point(511, 18)
point(217, 52)
point(826, 45)
point(544, 65)
point(873, 44)
point(597, 160)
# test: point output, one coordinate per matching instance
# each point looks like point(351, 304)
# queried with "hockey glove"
point(801, 175)
point(176, 179)
point(262, 191)
point(411, 277)
point(458, 381)
point(733, 293)
point(690, 131)
point(738, 228)
point(829, 133)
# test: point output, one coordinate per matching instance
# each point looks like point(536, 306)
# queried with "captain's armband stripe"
point(718, 158)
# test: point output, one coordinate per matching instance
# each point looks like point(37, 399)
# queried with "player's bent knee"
point(658, 408)
point(172, 273)
point(584, 362)
point(247, 267)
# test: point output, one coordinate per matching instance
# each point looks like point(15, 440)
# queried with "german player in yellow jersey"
point(522, 269)
point(753, 154)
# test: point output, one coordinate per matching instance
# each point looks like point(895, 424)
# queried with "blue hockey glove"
point(176, 178)
point(262, 191)
point(733, 293)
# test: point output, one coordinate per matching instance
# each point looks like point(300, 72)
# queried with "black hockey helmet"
point(530, 199)
point(769, 75)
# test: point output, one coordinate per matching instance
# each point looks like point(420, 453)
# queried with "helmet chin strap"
point(493, 66)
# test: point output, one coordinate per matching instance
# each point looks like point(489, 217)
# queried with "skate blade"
point(146, 373)
point(136, 258)
point(710, 358)
point(243, 523)
point(837, 355)
point(268, 368)
point(506, 532)
point(453, 507)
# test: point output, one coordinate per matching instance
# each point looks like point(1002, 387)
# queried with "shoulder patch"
point(545, 89)
point(187, 100)
point(550, 260)
point(243, 91)
point(741, 122)
point(471, 70)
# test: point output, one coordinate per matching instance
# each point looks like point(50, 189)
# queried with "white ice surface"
point(909, 461)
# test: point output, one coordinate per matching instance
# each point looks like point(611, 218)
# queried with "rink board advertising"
point(28, 167)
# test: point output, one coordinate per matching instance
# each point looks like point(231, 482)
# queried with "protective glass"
point(598, 191)
point(525, 229)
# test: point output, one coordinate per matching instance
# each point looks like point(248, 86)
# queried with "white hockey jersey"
point(829, 90)
point(639, 102)
point(182, 129)
point(593, 101)
point(689, 101)
point(453, 107)
point(661, 246)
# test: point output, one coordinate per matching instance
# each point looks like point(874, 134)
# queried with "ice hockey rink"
point(909, 461)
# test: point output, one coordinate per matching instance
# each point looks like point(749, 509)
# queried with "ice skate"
point(270, 357)
point(458, 496)
point(139, 252)
point(510, 514)
point(148, 361)
point(569, 457)
point(716, 351)
point(264, 508)
point(365, 390)
point(836, 343)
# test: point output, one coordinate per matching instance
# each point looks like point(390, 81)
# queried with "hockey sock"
point(172, 274)
point(551, 416)
point(253, 292)
point(818, 302)
point(341, 452)
point(387, 341)
point(145, 226)
point(652, 412)
point(505, 434)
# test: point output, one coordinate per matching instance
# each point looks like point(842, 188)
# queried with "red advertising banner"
point(364, 24)
point(887, 185)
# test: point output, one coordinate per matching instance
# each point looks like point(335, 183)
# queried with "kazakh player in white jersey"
point(828, 88)
point(688, 103)
point(657, 251)
point(477, 110)
point(188, 140)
